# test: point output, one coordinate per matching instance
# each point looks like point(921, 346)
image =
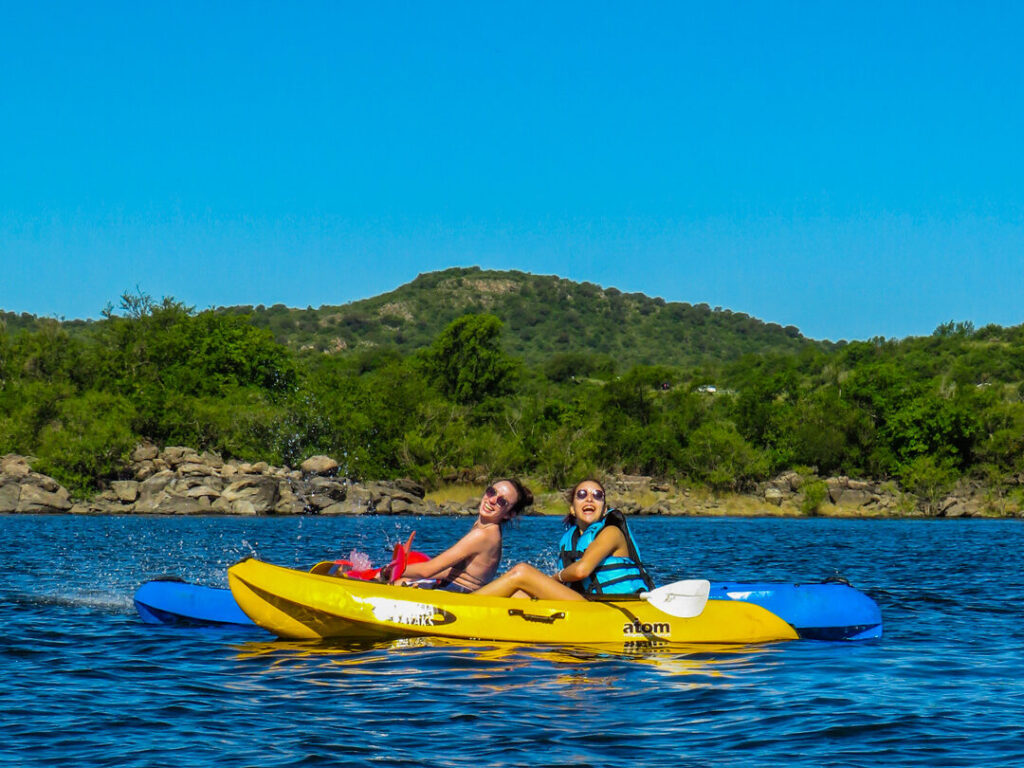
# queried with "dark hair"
point(524, 497)
point(569, 520)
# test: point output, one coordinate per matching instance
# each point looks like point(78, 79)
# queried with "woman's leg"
point(526, 578)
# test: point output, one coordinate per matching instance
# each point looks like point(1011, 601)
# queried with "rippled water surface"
point(84, 682)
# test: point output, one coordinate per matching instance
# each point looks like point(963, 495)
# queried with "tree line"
point(923, 412)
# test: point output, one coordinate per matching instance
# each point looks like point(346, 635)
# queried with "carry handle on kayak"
point(549, 619)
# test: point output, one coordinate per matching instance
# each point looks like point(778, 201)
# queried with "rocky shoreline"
point(181, 481)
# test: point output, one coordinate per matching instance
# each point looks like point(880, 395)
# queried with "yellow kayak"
point(304, 605)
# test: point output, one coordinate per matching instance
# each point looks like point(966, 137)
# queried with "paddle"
point(685, 599)
point(394, 570)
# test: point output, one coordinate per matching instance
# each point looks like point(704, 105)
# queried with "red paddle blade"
point(399, 560)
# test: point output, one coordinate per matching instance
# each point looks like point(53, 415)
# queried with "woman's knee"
point(521, 571)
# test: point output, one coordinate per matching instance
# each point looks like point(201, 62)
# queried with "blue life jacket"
point(613, 575)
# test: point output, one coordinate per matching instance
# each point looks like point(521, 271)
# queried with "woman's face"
point(497, 502)
point(588, 503)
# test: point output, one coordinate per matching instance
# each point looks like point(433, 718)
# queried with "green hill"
point(543, 316)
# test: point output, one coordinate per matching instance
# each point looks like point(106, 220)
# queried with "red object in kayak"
point(402, 557)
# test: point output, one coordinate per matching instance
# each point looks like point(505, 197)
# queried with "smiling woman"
point(597, 552)
point(473, 560)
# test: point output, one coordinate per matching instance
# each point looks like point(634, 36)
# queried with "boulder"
point(404, 507)
point(10, 494)
point(14, 465)
point(172, 504)
point(200, 492)
point(145, 452)
point(774, 496)
point(288, 503)
point(211, 459)
point(856, 497)
point(178, 454)
point(319, 501)
point(319, 465)
point(144, 469)
point(125, 490)
point(336, 490)
point(45, 482)
point(347, 507)
point(195, 468)
point(34, 499)
point(151, 491)
point(411, 487)
point(261, 492)
point(835, 489)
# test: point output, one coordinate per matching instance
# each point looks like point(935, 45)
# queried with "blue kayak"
point(823, 611)
point(832, 610)
point(172, 601)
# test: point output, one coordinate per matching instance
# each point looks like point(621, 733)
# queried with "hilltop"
point(543, 315)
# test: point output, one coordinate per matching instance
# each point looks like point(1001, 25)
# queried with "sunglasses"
point(597, 493)
point(501, 501)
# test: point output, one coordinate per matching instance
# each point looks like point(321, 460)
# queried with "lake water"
point(84, 682)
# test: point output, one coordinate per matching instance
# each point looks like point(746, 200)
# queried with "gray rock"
point(857, 497)
point(403, 506)
point(34, 499)
point(181, 505)
point(14, 465)
point(45, 482)
point(144, 470)
point(145, 452)
point(288, 503)
point(200, 492)
point(10, 494)
point(211, 459)
point(323, 486)
point(178, 454)
point(261, 492)
point(347, 507)
point(126, 490)
point(319, 465)
point(195, 468)
point(410, 487)
point(774, 496)
point(151, 491)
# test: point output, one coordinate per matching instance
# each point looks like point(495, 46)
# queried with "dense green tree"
point(467, 362)
point(89, 439)
point(718, 455)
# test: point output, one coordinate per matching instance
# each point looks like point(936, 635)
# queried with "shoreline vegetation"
point(466, 374)
point(181, 481)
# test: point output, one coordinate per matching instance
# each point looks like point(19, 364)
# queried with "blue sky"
point(854, 169)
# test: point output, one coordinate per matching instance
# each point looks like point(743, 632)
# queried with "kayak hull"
point(301, 605)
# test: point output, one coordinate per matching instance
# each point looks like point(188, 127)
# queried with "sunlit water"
point(83, 682)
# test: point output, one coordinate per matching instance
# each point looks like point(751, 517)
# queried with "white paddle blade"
point(685, 599)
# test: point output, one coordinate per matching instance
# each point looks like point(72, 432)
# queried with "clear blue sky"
point(855, 169)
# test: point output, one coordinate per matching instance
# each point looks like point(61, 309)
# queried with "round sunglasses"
point(597, 493)
point(500, 500)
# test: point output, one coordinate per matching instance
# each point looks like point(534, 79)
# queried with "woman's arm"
point(470, 545)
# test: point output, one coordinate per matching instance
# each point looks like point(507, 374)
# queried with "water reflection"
point(495, 664)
